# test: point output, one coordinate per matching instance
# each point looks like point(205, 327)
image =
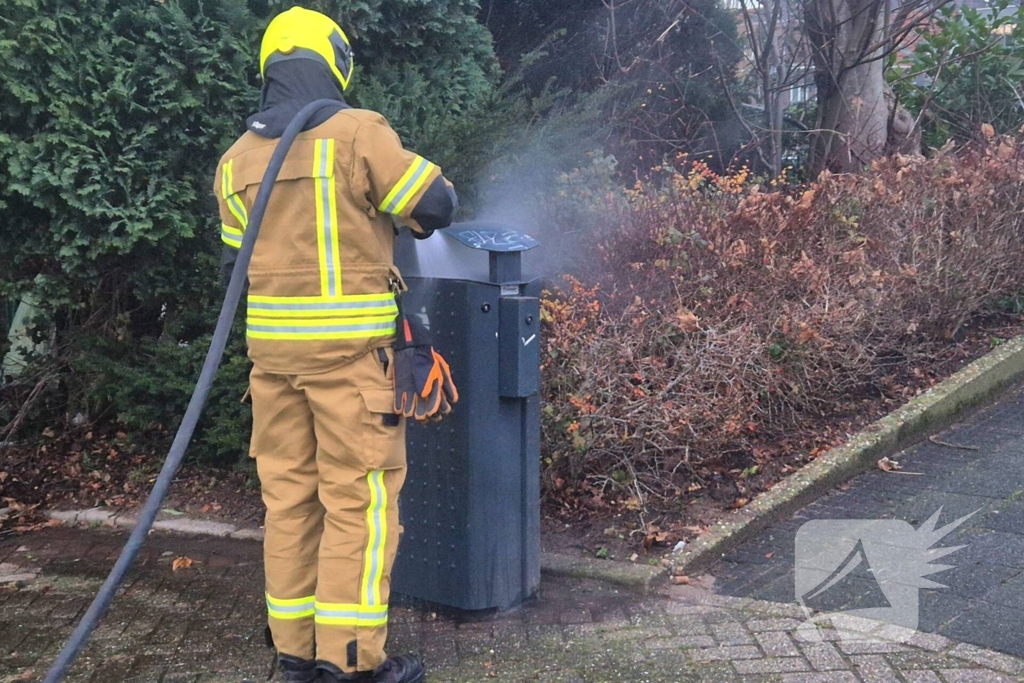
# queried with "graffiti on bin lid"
point(496, 240)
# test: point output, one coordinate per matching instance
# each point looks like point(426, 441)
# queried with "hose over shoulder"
point(74, 645)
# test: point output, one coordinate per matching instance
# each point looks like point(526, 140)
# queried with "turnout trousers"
point(330, 453)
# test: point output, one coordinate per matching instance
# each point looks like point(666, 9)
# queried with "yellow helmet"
point(300, 33)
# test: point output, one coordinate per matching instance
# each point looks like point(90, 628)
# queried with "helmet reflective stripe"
point(304, 34)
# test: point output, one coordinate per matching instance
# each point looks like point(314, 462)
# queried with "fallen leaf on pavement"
point(681, 580)
point(887, 465)
point(181, 563)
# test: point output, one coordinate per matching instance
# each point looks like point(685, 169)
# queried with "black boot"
point(400, 669)
point(297, 670)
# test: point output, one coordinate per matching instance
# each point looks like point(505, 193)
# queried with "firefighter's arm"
point(233, 218)
point(399, 182)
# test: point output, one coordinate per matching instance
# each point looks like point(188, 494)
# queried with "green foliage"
point(146, 386)
point(114, 116)
point(965, 71)
point(428, 66)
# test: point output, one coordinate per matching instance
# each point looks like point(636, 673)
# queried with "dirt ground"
point(92, 466)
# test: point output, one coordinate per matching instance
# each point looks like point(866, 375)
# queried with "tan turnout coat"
point(322, 276)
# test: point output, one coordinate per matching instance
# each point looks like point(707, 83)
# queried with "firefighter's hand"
point(424, 389)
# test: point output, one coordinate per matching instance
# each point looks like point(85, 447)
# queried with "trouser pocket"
point(383, 431)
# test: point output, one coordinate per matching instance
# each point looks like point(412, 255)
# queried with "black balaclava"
point(288, 87)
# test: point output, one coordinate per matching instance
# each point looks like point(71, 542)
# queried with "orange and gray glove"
point(423, 381)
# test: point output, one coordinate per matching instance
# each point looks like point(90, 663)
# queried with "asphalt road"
point(976, 466)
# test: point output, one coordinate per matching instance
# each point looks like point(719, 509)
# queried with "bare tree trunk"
point(904, 132)
point(852, 121)
point(853, 115)
point(772, 121)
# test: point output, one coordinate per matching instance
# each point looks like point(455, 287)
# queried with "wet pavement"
point(204, 623)
point(976, 467)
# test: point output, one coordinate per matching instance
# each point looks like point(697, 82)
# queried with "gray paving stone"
point(997, 626)
point(830, 677)
point(939, 609)
point(1009, 592)
point(973, 676)
point(823, 656)
point(732, 634)
point(726, 653)
point(953, 505)
point(778, 589)
point(867, 647)
point(760, 625)
point(680, 642)
point(921, 677)
point(1008, 516)
point(687, 626)
point(874, 669)
point(777, 644)
point(774, 665)
point(972, 579)
point(989, 547)
point(985, 479)
point(930, 641)
point(987, 658)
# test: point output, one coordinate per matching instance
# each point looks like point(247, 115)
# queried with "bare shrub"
point(726, 318)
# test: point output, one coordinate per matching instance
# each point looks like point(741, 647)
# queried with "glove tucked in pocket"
point(424, 389)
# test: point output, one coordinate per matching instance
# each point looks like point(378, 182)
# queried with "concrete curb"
point(181, 525)
point(970, 387)
point(636, 578)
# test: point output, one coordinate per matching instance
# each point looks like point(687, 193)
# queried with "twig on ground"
point(936, 440)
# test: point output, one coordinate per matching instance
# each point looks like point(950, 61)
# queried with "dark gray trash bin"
point(471, 503)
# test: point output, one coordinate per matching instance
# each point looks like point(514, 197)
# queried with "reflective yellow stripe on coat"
point(327, 218)
point(230, 235)
point(407, 188)
point(309, 318)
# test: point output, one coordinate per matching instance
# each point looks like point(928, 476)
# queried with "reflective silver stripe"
point(335, 306)
point(421, 168)
point(363, 612)
point(238, 209)
point(304, 607)
point(366, 327)
point(378, 536)
point(231, 236)
point(325, 200)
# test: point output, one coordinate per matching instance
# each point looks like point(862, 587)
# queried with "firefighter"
point(330, 388)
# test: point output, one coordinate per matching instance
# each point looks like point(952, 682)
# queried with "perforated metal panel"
point(471, 502)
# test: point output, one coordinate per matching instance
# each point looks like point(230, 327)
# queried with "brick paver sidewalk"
point(204, 623)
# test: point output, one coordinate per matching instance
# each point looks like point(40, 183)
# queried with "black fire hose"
point(103, 598)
